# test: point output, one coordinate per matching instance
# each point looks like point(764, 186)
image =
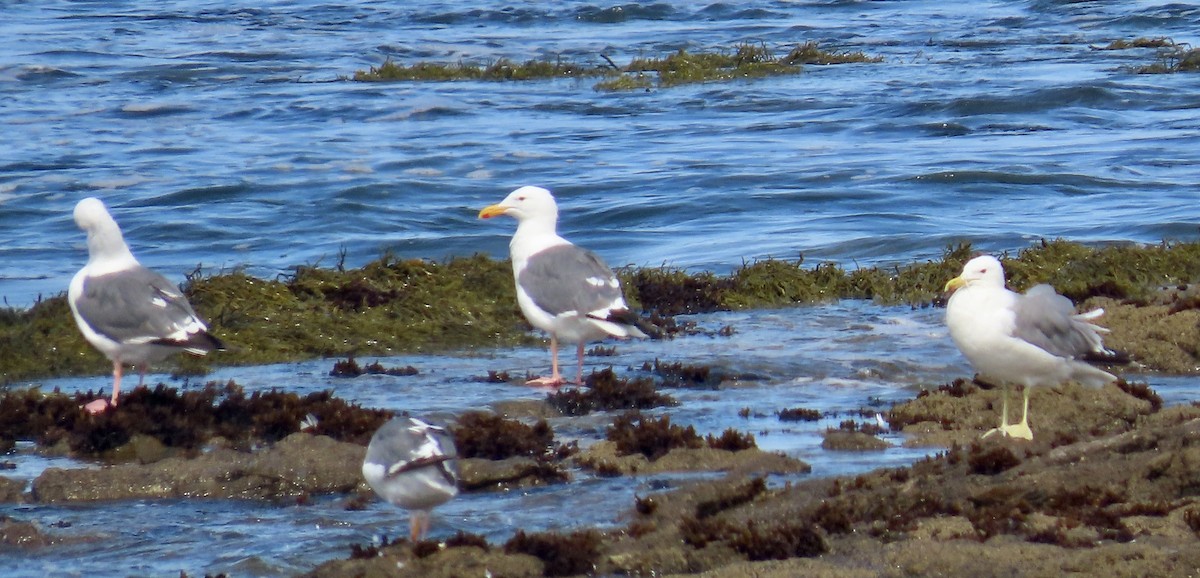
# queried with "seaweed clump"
point(731, 440)
point(608, 392)
point(799, 414)
point(1140, 42)
point(991, 460)
point(758, 540)
point(500, 69)
point(573, 554)
point(683, 375)
point(745, 60)
point(811, 53)
point(738, 495)
point(479, 434)
point(1174, 61)
point(182, 420)
point(349, 368)
point(413, 304)
point(634, 433)
point(1172, 56)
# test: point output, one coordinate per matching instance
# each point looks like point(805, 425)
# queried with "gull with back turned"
point(128, 312)
point(411, 464)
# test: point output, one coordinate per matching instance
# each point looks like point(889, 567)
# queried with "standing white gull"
point(564, 290)
point(411, 464)
point(1028, 340)
point(130, 313)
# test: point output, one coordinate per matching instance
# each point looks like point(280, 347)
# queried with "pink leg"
point(418, 525)
point(579, 373)
point(100, 405)
point(555, 379)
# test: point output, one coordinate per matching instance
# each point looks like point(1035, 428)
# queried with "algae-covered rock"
point(298, 465)
point(852, 441)
point(11, 490)
point(392, 306)
point(961, 412)
point(604, 457)
point(481, 474)
point(402, 561)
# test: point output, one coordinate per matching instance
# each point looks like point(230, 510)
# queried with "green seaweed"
point(746, 60)
point(501, 69)
point(1175, 58)
point(392, 306)
point(811, 53)
point(1140, 42)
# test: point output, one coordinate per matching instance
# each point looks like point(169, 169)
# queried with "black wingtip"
point(202, 341)
point(627, 317)
point(1108, 357)
point(217, 344)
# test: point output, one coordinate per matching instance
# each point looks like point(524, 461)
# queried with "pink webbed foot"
point(551, 382)
point(98, 406)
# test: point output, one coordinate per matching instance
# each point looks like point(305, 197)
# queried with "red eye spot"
point(520, 198)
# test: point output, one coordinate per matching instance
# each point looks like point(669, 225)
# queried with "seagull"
point(564, 290)
point(130, 313)
point(1029, 339)
point(411, 464)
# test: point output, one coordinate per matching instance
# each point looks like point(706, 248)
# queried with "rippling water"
point(229, 137)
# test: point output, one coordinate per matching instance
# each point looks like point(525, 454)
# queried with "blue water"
point(227, 138)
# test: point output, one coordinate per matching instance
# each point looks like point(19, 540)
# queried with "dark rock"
point(853, 441)
point(11, 491)
point(298, 465)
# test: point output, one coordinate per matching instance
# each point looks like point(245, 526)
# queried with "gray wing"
point(137, 305)
point(404, 444)
point(405, 441)
point(569, 278)
point(1047, 320)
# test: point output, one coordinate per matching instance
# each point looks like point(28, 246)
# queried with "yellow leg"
point(1003, 428)
point(1017, 430)
point(1021, 430)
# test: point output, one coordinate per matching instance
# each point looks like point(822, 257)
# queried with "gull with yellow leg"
point(1031, 339)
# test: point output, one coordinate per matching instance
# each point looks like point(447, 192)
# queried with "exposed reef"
point(1111, 497)
point(1170, 56)
point(393, 306)
point(746, 60)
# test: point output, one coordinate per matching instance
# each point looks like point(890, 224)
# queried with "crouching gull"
point(130, 313)
point(1030, 339)
point(411, 464)
point(564, 290)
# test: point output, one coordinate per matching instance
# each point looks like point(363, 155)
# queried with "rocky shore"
point(1108, 486)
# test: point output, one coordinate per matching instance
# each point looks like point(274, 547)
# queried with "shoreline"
point(470, 302)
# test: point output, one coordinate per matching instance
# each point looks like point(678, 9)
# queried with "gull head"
point(984, 270)
point(104, 239)
point(91, 215)
point(525, 204)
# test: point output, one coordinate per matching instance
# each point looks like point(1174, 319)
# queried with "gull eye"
point(520, 198)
